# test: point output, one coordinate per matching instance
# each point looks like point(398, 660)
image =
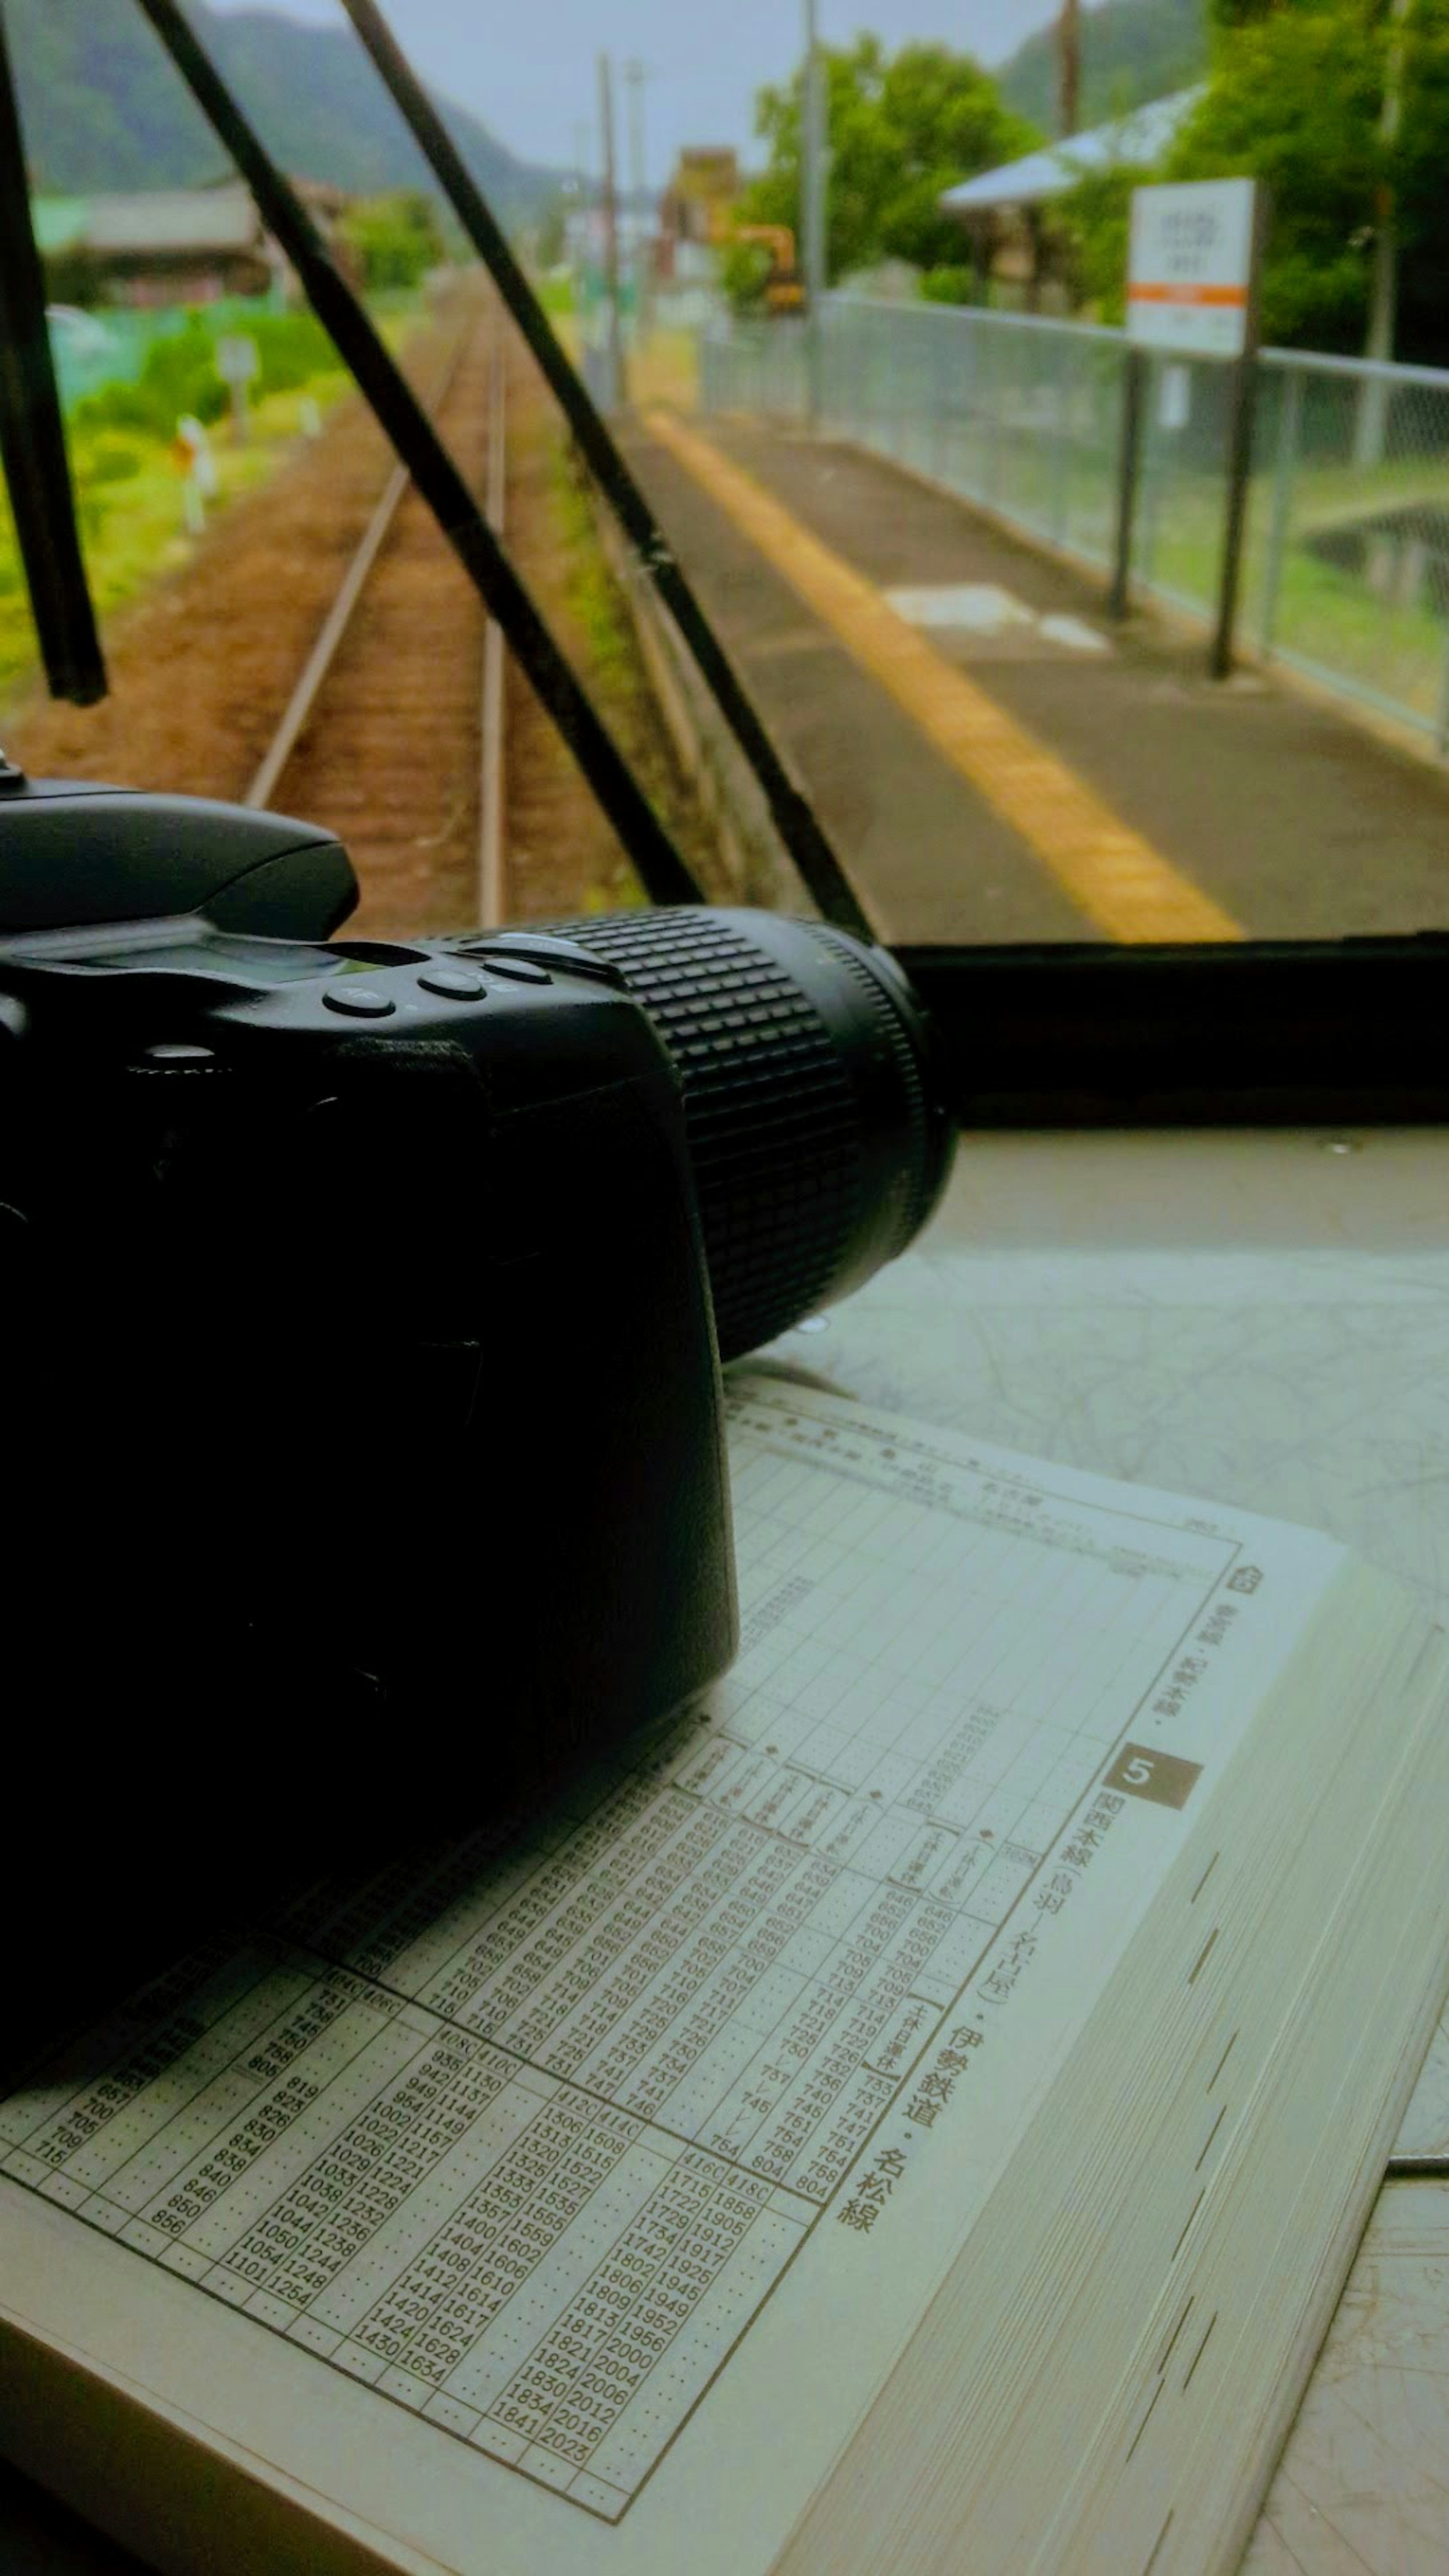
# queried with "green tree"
point(396, 237)
point(902, 129)
point(1295, 98)
point(1096, 216)
point(744, 274)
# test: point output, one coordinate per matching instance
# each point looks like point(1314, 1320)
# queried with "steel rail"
point(312, 677)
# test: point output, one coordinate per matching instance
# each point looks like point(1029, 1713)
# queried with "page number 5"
point(1145, 1771)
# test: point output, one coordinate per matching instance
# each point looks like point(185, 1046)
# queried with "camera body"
point(362, 1309)
point(364, 1405)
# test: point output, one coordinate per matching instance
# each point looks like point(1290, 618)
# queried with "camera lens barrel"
point(816, 1111)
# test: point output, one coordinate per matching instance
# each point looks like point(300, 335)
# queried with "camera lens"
point(817, 1118)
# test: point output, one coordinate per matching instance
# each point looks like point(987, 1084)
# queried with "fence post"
point(1144, 541)
point(1284, 463)
point(993, 419)
point(1134, 371)
point(1243, 403)
point(1441, 727)
point(1063, 449)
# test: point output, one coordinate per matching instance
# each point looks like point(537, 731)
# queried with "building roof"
point(706, 170)
point(1135, 140)
point(57, 222)
point(173, 219)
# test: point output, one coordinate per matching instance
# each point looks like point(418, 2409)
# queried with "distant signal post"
point(238, 363)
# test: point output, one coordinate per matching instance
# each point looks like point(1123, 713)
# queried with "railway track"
point(393, 733)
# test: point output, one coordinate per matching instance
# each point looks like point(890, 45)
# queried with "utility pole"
point(1069, 67)
point(634, 79)
point(1371, 428)
point(609, 210)
point(581, 226)
point(813, 144)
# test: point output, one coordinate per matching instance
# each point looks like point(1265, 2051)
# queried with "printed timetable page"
point(523, 2134)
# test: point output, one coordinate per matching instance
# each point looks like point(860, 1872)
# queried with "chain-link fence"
point(1354, 482)
point(1345, 571)
point(1017, 413)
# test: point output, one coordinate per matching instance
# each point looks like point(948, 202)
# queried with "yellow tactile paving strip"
point(1122, 884)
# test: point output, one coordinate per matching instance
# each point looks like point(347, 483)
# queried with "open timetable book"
point(914, 2111)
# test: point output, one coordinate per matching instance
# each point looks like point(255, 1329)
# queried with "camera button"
point(518, 970)
point(358, 1002)
point(454, 983)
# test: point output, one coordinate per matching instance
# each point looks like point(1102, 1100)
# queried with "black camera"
point(364, 1308)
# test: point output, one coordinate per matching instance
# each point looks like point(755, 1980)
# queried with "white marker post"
point(192, 450)
point(238, 361)
point(1194, 265)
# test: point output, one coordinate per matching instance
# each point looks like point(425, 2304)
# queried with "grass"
point(1337, 493)
point(1323, 614)
point(614, 672)
point(129, 496)
point(607, 645)
point(592, 595)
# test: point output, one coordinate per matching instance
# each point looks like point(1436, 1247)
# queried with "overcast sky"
point(530, 70)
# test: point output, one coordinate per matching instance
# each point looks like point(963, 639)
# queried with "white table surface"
point(1261, 1319)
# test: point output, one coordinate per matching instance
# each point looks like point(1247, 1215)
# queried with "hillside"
point(1131, 50)
point(103, 106)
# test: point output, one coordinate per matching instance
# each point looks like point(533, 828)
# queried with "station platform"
point(992, 757)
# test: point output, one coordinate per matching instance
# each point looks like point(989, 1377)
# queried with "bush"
point(292, 347)
point(116, 407)
point(108, 463)
point(744, 274)
point(179, 376)
point(950, 286)
point(396, 238)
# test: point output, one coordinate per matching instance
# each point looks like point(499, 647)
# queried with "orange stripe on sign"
point(1187, 295)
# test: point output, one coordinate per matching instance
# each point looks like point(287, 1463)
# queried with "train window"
point(1075, 603)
